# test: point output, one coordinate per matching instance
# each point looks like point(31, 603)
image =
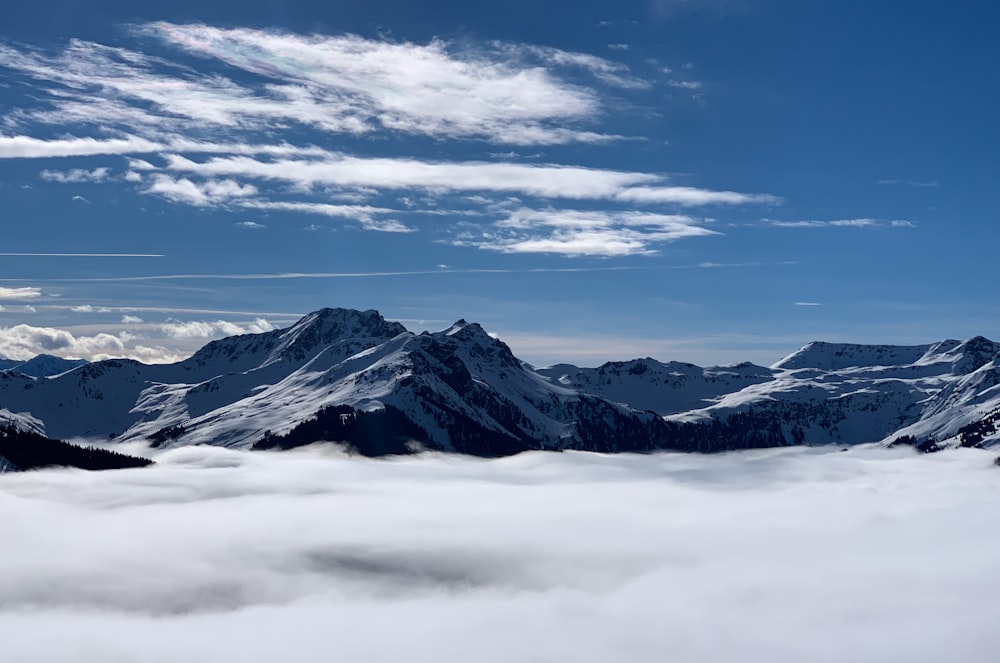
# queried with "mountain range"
point(40, 366)
point(354, 377)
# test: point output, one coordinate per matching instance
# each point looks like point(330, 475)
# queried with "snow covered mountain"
point(41, 366)
point(353, 376)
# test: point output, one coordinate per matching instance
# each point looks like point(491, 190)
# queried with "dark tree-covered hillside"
point(379, 433)
point(30, 451)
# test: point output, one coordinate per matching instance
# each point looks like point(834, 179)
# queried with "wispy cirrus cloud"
point(84, 255)
point(841, 223)
point(585, 233)
point(544, 180)
point(913, 183)
point(686, 85)
point(90, 308)
point(213, 135)
point(367, 216)
point(673, 9)
point(76, 175)
point(509, 93)
point(27, 147)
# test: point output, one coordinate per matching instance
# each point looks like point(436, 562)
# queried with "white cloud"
point(88, 308)
point(692, 197)
point(808, 304)
point(140, 165)
point(339, 83)
point(365, 215)
point(25, 147)
point(252, 225)
point(612, 73)
point(686, 85)
point(729, 265)
point(26, 341)
point(546, 181)
point(841, 223)
point(200, 194)
point(19, 294)
point(158, 343)
point(216, 329)
point(585, 233)
point(604, 242)
point(159, 113)
point(754, 556)
point(75, 175)
point(519, 94)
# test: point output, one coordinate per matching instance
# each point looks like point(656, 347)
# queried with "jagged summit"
point(332, 326)
point(328, 327)
point(972, 354)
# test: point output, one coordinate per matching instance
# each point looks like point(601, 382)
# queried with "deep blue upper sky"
point(706, 180)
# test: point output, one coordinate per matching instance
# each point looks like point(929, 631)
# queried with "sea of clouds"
point(779, 555)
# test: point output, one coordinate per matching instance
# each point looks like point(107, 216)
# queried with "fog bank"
point(777, 555)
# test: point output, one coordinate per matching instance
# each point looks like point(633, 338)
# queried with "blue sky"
point(700, 180)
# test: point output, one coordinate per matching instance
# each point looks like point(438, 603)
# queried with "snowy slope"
point(647, 384)
point(828, 392)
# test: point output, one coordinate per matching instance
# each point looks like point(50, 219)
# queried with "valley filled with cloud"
point(781, 555)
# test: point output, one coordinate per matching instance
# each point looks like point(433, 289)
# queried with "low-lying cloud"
point(214, 329)
point(23, 342)
point(780, 555)
point(149, 342)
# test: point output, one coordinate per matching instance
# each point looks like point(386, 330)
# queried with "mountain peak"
point(828, 356)
point(478, 341)
point(329, 326)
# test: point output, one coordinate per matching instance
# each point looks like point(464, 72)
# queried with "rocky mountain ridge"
point(354, 377)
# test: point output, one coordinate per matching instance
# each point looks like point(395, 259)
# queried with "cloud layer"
point(777, 555)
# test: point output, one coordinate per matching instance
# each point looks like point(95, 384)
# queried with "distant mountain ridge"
point(41, 366)
point(354, 377)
